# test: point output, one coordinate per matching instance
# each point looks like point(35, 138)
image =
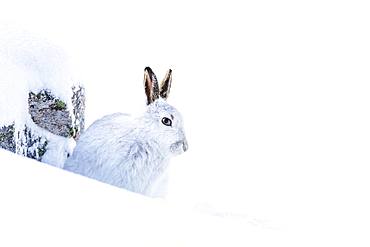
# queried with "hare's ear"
point(166, 85)
point(151, 85)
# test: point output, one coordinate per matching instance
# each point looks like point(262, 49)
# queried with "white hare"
point(133, 152)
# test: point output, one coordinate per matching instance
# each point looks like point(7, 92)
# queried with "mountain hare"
point(133, 152)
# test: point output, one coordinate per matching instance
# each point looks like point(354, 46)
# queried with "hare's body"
point(113, 150)
point(131, 152)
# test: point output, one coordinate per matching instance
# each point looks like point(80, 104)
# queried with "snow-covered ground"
point(275, 97)
point(45, 206)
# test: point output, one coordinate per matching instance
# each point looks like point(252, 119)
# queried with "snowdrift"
point(42, 102)
point(45, 206)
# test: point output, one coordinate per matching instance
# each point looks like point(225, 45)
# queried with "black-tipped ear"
point(166, 85)
point(150, 85)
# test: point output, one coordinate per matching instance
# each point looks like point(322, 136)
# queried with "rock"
point(78, 102)
point(51, 114)
point(41, 105)
point(7, 138)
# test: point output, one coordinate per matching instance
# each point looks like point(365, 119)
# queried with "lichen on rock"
point(47, 113)
point(51, 113)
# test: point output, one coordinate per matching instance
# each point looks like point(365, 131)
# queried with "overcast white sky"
point(274, 95)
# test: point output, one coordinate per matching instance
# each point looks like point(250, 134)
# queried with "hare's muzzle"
point(179, 147)
point(185, 145)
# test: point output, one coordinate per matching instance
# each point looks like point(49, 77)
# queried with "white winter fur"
point(131, 152)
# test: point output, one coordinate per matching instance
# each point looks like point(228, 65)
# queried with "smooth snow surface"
point(45, 206)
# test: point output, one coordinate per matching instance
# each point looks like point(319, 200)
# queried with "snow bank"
point(31, 64)
point(35, 64)
point(45, 206)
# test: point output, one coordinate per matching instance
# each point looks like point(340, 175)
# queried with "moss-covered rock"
point(59, 105)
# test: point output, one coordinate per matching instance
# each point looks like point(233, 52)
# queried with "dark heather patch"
point(78, 102)
point(41, 150)
point(35, 145)
point(7, 138)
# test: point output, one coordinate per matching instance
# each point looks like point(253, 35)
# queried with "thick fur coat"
point(133, 152)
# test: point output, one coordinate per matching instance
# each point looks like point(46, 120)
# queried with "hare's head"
point(164, 121)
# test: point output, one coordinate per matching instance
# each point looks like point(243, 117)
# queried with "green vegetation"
point(72, 132)
point(59, 105)
point(42, 150)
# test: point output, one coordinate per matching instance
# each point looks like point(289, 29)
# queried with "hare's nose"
point(185, 145)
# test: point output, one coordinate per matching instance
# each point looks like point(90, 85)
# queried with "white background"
point(274, 95)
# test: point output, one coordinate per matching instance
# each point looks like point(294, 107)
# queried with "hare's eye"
point(166, 121)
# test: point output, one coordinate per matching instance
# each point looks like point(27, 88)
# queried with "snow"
point(275, 101)
point(30, 64)
point(45, 206)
